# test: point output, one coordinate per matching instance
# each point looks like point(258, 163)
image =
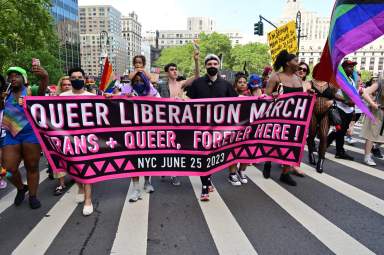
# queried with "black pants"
point(339, 135)
point(206, 180)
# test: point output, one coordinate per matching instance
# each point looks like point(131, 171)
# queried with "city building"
point(100, 36)
point(65, 14)
point(195, 26)
point(146, 52)
point(316, 29)
point(201, 24)
point(131, 32)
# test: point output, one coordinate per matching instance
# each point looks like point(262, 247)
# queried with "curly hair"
point(281, 60)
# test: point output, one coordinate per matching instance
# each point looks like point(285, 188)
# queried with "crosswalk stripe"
point(42, 235)
point(131, 235)
point(362, 197)
point(329, 234)
point(355, 149)
point(7, 200)
point(226, 232)
point(355, 166)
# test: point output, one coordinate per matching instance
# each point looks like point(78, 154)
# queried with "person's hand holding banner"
point(98, 138)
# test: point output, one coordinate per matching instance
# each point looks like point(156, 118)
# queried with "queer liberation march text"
point(96, 139)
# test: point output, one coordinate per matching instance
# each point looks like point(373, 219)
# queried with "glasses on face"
point(303, 69)
point(172, 69)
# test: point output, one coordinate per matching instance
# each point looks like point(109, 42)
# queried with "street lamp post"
point(103, 34)
point(298, 27)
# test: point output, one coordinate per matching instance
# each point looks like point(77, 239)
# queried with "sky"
point(229, 15)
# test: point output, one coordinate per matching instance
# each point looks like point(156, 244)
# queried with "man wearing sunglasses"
point(174, 88)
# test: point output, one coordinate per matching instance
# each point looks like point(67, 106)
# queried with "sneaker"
point(3, 184)
point(148, 187)
point(87, 210)
point(60, 190)
point(343, 155)
point(234, 180)
point(34, 203)
point(20, 196)
point(369, 161)
point(376, 153)
point(204, 197)
point(136, 195)
point(175, 181)
point(243, 177)
point(287, 179)
point(350, 140)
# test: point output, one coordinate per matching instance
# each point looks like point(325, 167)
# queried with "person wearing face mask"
point(210, 85)
point(77, 78)
point(140, 86)
point(20, 142)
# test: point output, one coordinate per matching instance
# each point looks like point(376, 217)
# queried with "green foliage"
point(256, 54)
point(217, 44)
point(27, 32)
point(365, 75)
point(180, 55)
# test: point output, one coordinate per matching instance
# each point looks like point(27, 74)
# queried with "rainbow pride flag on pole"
point(354, 24)
point(107, 79)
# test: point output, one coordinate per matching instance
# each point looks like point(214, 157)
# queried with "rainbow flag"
point(108, 77)
point(354, 24)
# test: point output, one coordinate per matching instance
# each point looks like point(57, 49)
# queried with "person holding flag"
point(354, 24)
point(346, 109)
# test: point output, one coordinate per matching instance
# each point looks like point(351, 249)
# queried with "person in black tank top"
point(284, 82)
point(320, 120)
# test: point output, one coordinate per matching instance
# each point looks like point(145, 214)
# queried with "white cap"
point(211, 57)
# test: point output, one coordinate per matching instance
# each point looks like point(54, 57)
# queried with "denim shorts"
point(24, 136)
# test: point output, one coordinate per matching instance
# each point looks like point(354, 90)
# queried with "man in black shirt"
point(210, 85)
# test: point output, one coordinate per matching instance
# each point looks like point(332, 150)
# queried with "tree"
point(27, 32)
point(180, 55)
point(365, 75)
point(255, 54)
point(218, 44)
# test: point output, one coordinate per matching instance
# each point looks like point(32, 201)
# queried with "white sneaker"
point(136, 195)
point(79, 198)
point(369, 161)
point(148, 187)
point(234, 180)
point(87, 210)
point(243, 177)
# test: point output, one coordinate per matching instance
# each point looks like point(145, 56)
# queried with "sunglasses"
point(303, 69)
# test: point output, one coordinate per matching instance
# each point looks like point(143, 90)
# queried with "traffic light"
point(259, 28)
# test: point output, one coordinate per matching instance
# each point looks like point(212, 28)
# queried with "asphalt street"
point(338, 212)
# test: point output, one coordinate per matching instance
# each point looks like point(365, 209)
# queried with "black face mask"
point(212, 71)
point(77, 84)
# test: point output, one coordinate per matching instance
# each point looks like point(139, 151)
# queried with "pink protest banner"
point(96, 139)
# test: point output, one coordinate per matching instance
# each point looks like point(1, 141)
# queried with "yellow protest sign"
point(283, 38)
